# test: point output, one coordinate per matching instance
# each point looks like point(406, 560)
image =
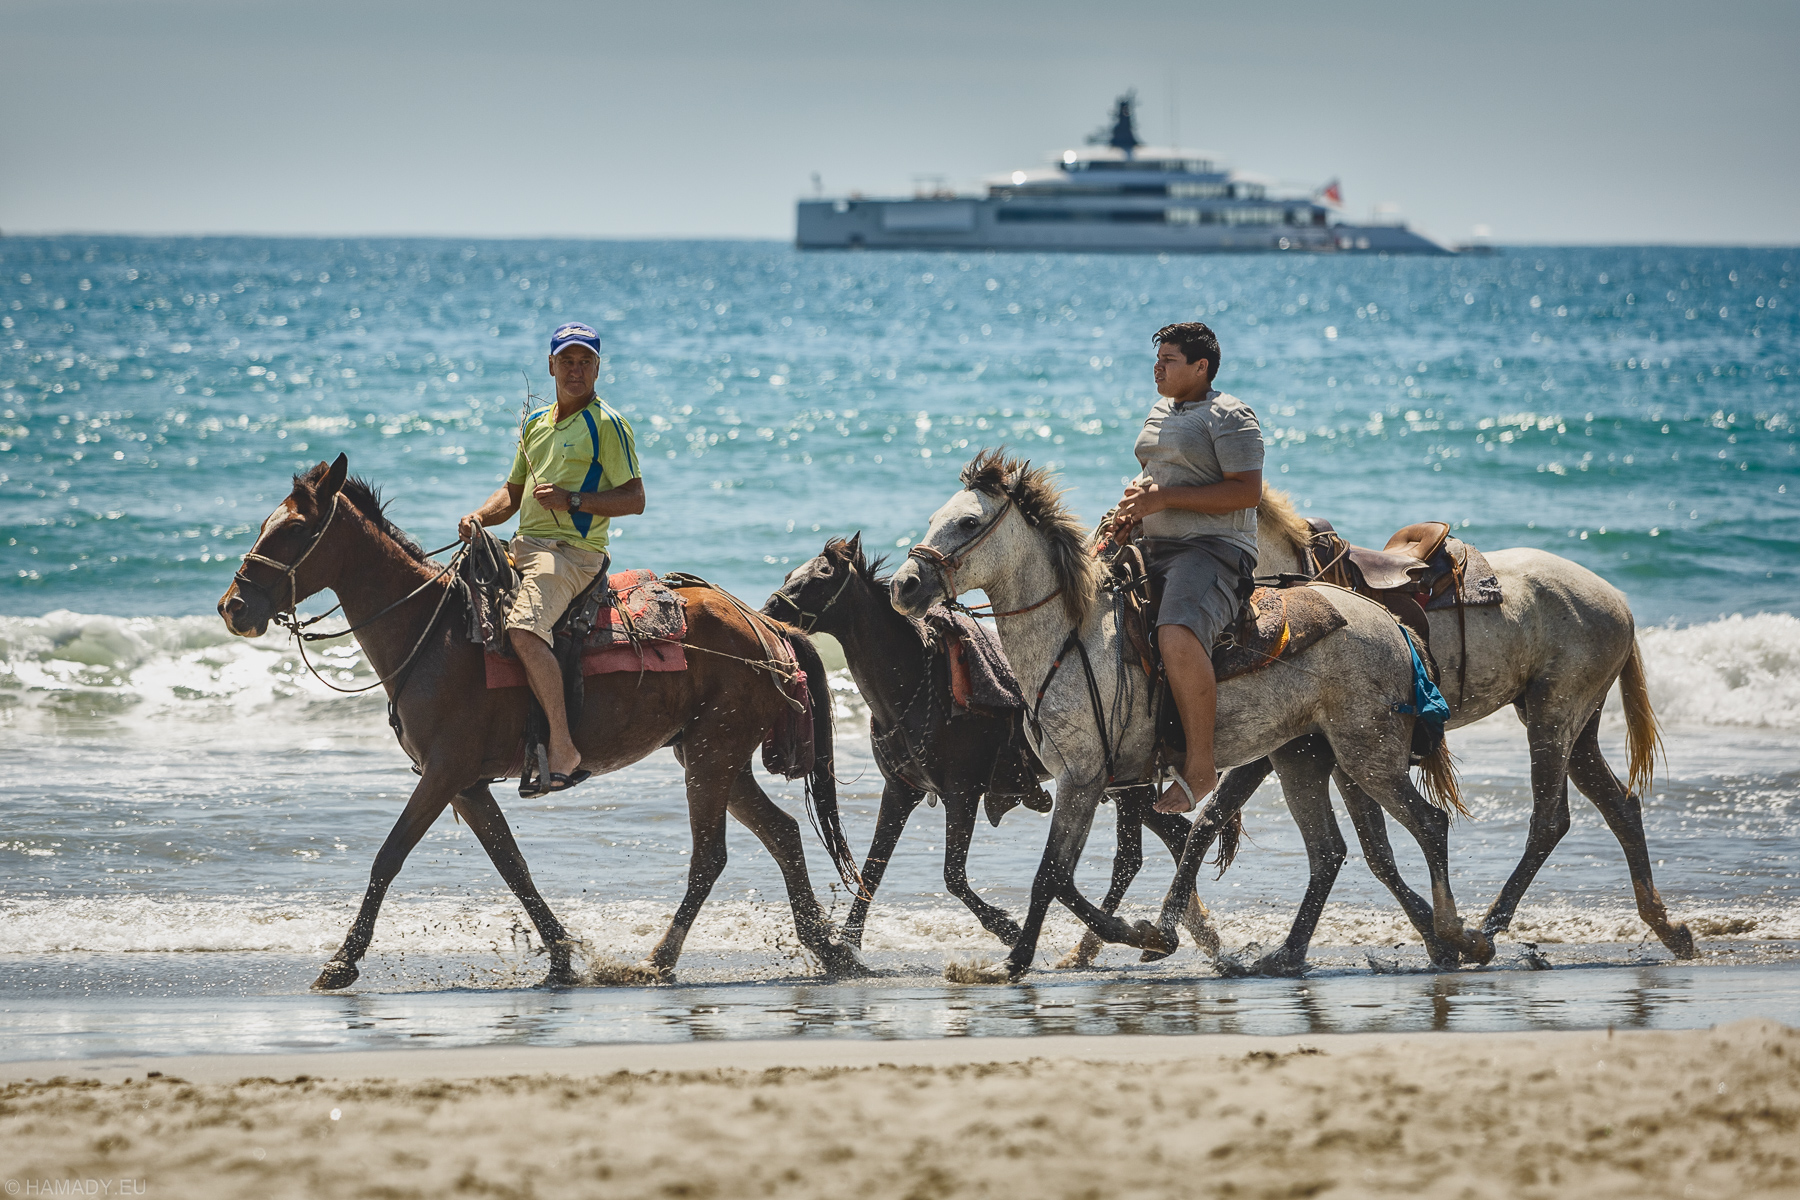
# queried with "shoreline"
point(1639, 1113)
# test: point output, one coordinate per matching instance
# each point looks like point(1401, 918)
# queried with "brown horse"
point(330, 533)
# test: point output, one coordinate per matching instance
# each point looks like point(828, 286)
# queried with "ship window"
point(1196, 191)
point(1181, 216)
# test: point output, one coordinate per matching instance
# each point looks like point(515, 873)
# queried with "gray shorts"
point(1199, 581)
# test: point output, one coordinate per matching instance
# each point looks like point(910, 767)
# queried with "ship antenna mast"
point(1123, 133)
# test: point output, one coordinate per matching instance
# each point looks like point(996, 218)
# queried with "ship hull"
point(977, 224)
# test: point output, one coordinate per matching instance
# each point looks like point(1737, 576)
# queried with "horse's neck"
point(375, 574)
point(1275, 554)
point(1030, 639)
point(882, 650)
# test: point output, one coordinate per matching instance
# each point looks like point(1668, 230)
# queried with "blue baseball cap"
point(574, 334)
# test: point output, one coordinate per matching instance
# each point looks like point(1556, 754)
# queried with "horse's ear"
point(334, 477)
point(854, 546)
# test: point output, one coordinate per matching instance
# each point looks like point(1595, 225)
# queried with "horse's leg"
point(1128, 860)
point(780, 833)
point(709, 791)
point(1550, 748)
point(959, 830)
point(1305, 773)
point(1070, 821)
point(897, 804)
point(478, 807)
point(1624, 814)
point(1216, 811)
point(1430, 827)
point(428, 799)
point(1173, 830)
point(1378, 853)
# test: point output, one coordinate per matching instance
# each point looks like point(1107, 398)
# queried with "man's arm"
point(1238, 490)
point(626, 500)
point(496, 508)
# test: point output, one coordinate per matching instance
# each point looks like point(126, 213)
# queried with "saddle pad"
point(643, 605)
point(1288, 621)
point(596, 660)
point(1480, 585)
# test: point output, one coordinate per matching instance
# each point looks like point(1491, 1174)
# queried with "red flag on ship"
point(1333, 193)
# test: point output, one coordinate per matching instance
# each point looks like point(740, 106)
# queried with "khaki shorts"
point(554, 573)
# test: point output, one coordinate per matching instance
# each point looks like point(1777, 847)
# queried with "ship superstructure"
point(1115, 194)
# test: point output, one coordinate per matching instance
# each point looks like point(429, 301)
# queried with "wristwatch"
point(574, 502)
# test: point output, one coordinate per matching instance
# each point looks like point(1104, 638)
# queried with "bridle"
point(288, 570)
point(288, 619)
point(809, 620)
point(947, 565)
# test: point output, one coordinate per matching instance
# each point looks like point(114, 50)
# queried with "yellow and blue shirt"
point(591, 450)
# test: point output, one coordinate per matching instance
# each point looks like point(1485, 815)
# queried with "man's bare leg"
point(546, 684)
point(1197, 700)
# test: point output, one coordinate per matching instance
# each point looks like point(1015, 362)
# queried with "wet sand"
point(1701, 1113)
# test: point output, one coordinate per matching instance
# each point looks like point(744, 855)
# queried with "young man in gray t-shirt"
point(1202, 458)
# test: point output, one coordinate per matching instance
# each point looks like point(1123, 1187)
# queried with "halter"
point(287, 569)
point(946, 565)
point(809, 620)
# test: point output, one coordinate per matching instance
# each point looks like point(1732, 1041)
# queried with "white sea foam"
point(1739, 671)
point(493, 927)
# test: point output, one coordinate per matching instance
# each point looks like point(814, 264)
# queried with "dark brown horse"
point(330, 533)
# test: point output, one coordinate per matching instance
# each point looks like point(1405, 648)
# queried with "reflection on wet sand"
point(41, 1023)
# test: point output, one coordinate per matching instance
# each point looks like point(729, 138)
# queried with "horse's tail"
point(821, 784)
point(1231, 836)
point(1642, 734)
point(1437, 779)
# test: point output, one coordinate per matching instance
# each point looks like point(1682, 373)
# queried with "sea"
point(187, 819)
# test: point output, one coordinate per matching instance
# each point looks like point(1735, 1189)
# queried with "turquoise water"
point(1633, 409)
point(185, 814)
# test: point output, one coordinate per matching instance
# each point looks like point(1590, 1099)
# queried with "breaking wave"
point(1739, 671)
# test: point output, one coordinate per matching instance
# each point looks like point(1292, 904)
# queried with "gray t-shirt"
point(1196, 444)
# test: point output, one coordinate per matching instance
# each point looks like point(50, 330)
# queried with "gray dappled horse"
point(1008, 534)
point(922, 745)
point(1553, 647)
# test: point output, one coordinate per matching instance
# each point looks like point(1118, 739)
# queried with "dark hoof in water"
point(1008, 934)
point(336, 975)
point(1681, 942)
point(841, 961)
point(560, 977)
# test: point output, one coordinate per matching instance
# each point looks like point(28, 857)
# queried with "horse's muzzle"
point(241, 613)
point(912, 590)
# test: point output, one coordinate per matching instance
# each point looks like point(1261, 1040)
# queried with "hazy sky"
point(1561, 121)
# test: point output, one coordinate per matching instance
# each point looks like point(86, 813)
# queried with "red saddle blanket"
point(642, 604)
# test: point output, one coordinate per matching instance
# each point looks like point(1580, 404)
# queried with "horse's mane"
point(1276, 510)
point(367, 501)
point(1039, 500)
point(869, 569)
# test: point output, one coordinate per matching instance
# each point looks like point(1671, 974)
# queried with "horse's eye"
point(825, 570)
point(969, 522)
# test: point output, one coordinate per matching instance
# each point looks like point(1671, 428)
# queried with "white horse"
point(1008, 534)
point(1553, 647)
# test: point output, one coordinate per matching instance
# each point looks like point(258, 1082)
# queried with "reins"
point(289, 619)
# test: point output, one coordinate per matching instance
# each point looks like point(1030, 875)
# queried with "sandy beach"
point(1703, 1113)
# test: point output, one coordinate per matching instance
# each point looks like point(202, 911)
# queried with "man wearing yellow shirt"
point(580, 461)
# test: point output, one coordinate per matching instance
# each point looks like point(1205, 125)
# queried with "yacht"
point(1114, 194)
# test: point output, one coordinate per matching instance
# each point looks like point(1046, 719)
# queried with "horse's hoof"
point(1680, 942)
point(337, 974)
point(1280, 965)
point(561, 975)
point(1240, 965)
point(1078, 959)
point(1009, 934)
point(983, 972)
point(1478, 949)
point(841, 961)
point(1154, 939)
